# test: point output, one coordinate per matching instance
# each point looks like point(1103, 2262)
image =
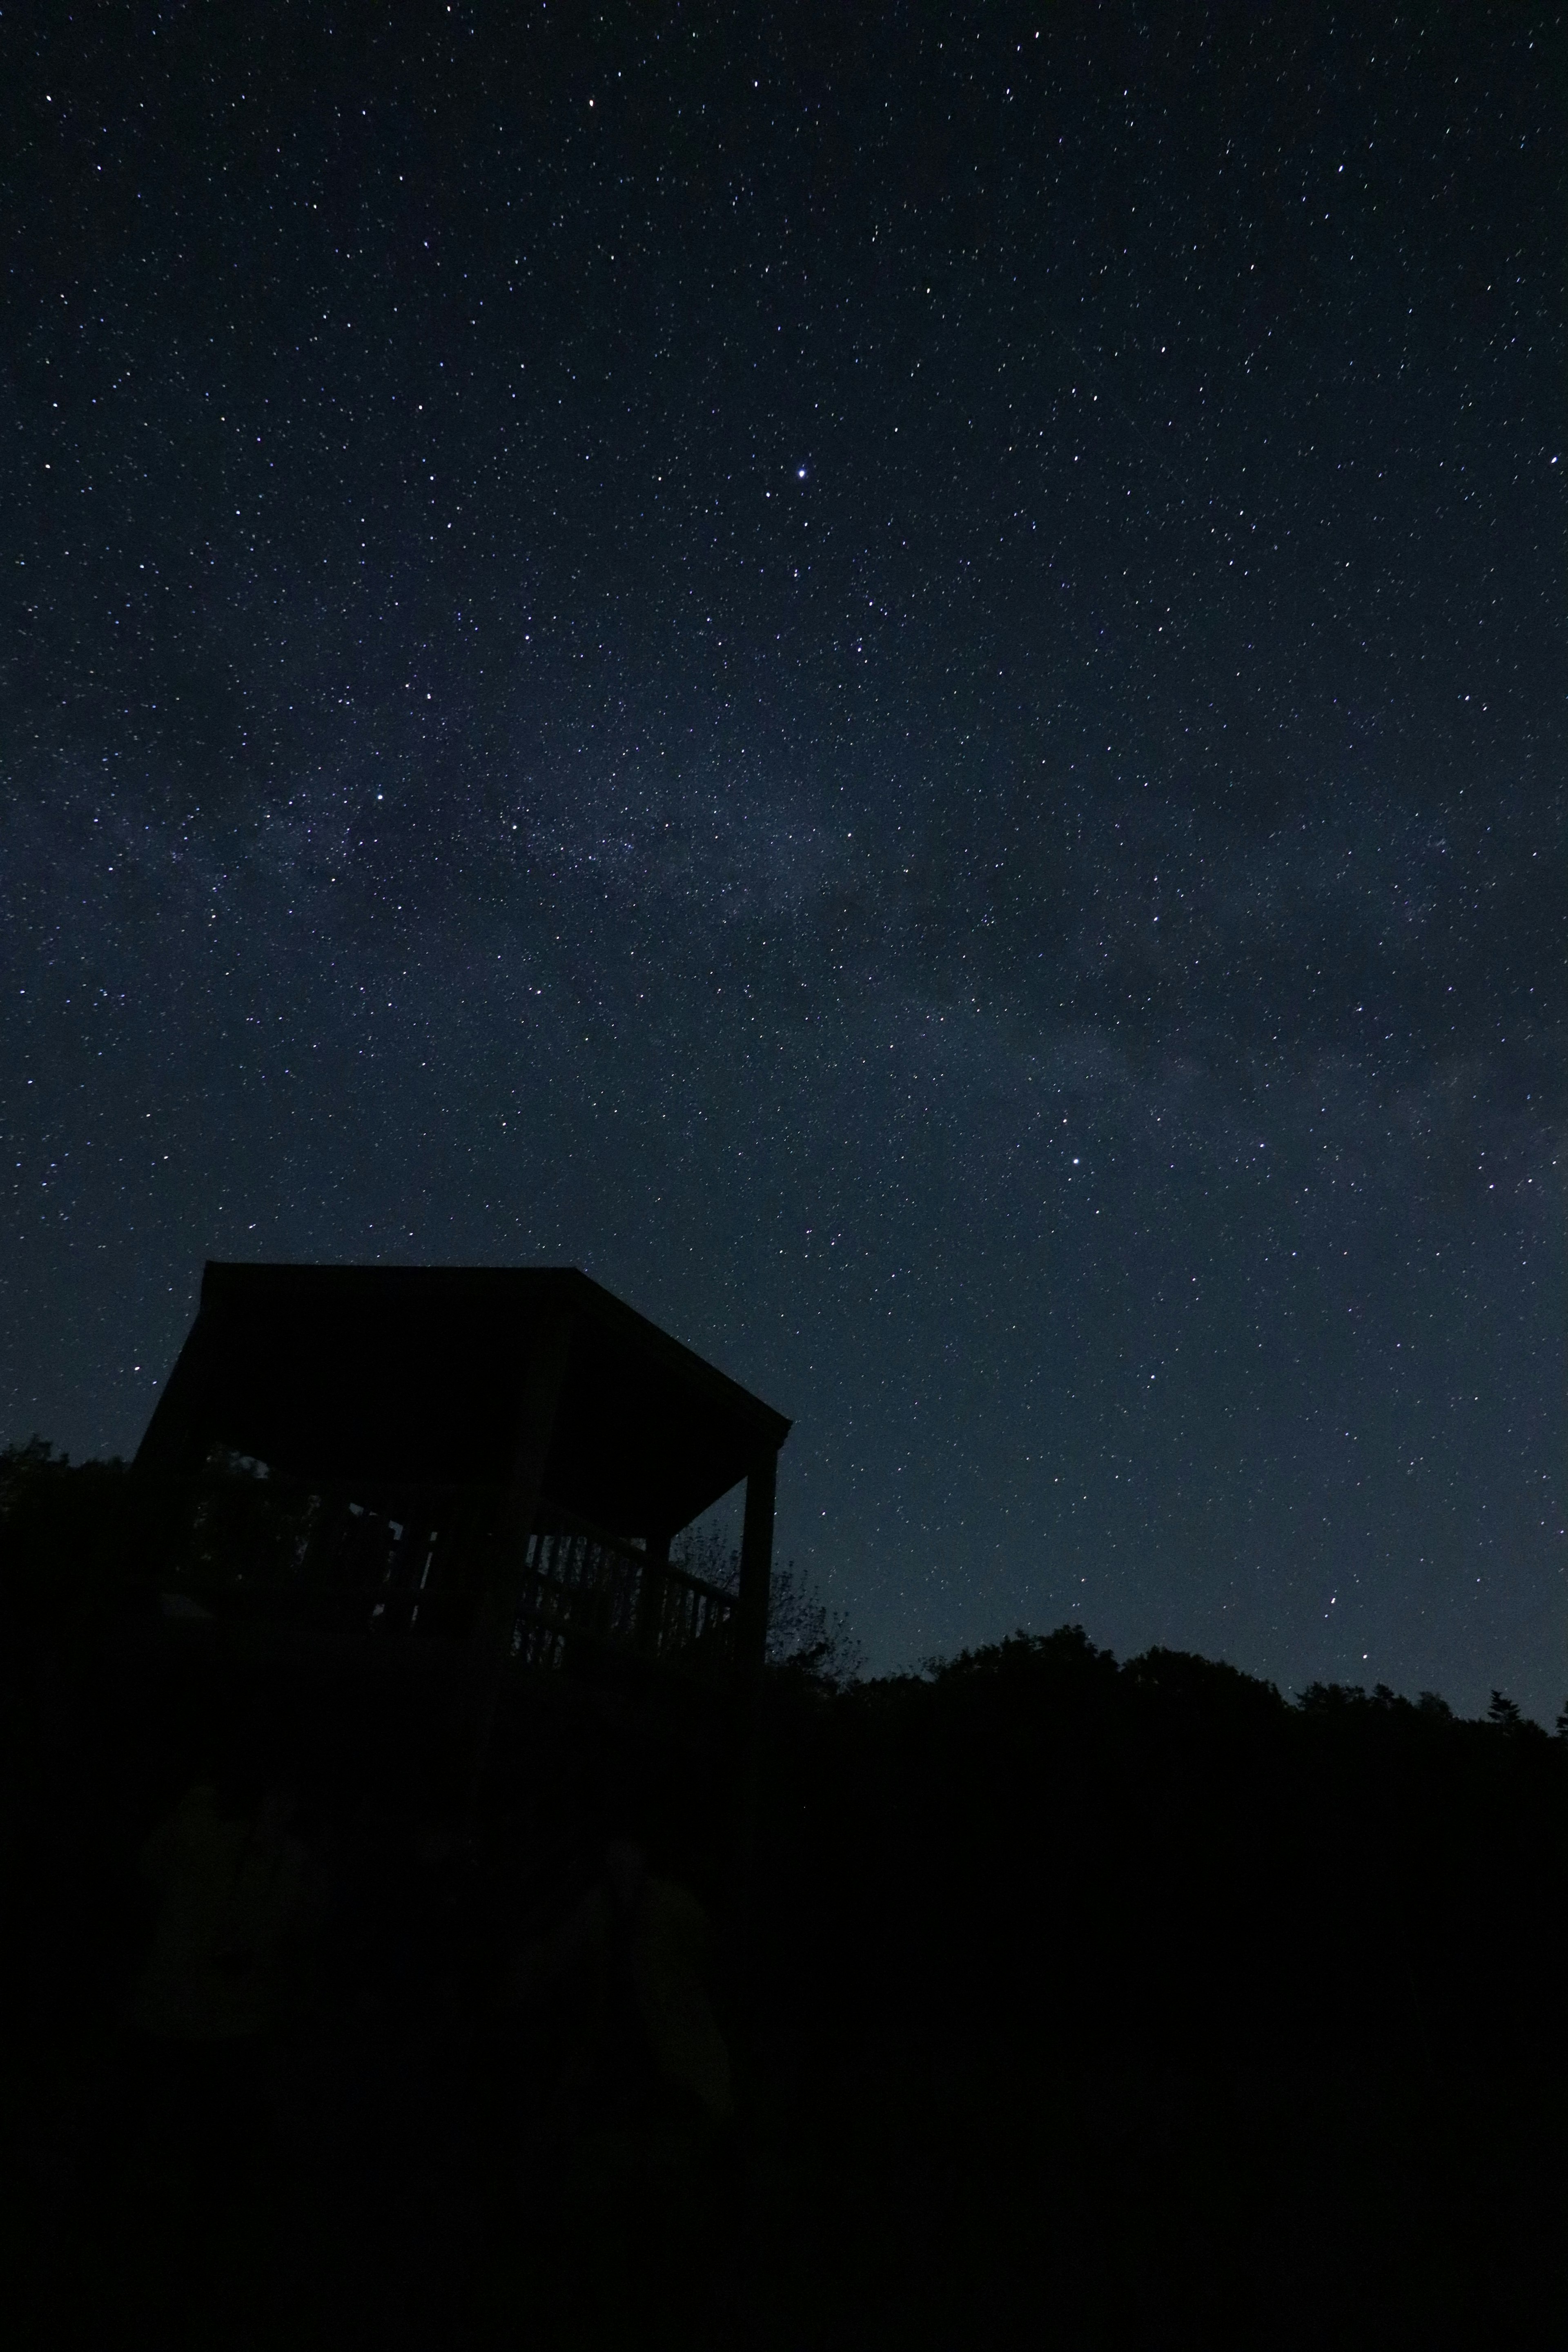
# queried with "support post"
point(173, 1450)
point(650, 1594)
point(497, 1618)
point(750, 1651)
point(756, 1567)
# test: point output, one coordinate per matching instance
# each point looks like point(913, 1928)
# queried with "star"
point(1138, 736)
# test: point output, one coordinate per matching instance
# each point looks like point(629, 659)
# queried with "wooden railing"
point(343, 1567)
point(584, 1589)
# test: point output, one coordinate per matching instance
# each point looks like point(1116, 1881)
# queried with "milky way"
point(896, 679)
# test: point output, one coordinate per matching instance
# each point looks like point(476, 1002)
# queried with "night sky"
point(896, 678)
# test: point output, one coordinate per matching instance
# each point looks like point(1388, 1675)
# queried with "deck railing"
point(345, 1568)
point(585, 1589)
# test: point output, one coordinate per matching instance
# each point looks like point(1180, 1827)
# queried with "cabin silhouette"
point(486, 1465)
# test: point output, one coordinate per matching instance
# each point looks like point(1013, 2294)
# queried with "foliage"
point(75, 1538)
point(1136, 1977)
point(72, 1538)
point(808, 1642)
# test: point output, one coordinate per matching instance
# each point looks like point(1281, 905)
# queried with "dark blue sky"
point(897, 680)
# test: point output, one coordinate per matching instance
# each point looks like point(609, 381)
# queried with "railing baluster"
point(583, 1585)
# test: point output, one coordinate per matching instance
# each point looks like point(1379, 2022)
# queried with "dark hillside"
point(1069, 2000)
point(1182, 2007)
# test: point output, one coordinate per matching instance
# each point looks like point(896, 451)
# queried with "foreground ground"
point(1069, 2002)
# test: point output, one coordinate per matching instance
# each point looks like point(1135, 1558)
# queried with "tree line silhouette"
point(1068, 2000)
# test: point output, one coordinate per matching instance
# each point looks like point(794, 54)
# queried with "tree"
point(806, 1639)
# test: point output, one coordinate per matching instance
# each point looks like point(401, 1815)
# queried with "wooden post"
point(173, 1450)
point(756, 1567)
point(750, 1651)
point(497, 1619)
point(650, 1594)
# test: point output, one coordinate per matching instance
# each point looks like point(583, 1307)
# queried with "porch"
point(468, 1477)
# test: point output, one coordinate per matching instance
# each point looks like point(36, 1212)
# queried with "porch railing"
point(585, 1589)
point(334, 1565)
